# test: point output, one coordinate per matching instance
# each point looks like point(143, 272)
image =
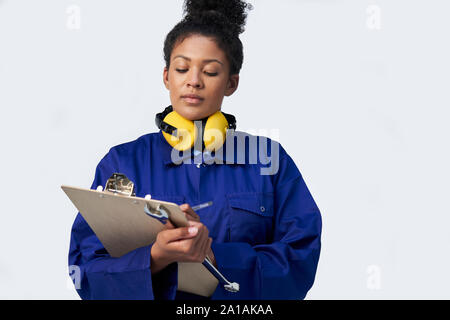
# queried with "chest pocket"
point(251, 217)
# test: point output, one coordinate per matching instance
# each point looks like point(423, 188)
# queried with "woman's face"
point(198, 77)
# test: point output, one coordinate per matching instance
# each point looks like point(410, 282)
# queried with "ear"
point(232, 85)
point(166, 77)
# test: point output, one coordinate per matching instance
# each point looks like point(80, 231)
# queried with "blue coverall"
point(266, 229)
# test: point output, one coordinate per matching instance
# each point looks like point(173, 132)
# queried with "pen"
point(202, 206)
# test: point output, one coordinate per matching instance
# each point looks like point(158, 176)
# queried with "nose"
point(194, 79)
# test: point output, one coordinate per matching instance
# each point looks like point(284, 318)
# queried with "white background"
point(359, 91)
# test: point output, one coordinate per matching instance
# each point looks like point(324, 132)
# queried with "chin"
point(193, 112)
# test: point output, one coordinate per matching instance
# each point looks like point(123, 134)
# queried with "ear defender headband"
point(182, 133)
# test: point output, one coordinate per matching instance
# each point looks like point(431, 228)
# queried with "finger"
point(181, 233)
point(203, 231)
point(194, 241)
point(202, 247)
point(202, 243)
point(168, 225)
point(196, 224)
point(190, 214)
point(207, 247)
point(196, 244)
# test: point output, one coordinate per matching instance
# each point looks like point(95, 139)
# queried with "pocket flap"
point(258, 203)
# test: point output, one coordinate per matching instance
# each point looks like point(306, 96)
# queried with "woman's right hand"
point(187, 244)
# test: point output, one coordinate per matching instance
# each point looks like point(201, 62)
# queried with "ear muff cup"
point(215, 131)
point(186, 132)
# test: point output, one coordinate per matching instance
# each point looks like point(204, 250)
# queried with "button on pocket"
point(256, 203)
point(250, 217)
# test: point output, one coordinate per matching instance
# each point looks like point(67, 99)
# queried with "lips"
point(192, 98)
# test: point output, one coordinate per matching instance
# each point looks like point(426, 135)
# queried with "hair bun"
point(230, 14)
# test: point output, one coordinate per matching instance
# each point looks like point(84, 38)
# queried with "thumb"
point(192, 230)
point(182, 233)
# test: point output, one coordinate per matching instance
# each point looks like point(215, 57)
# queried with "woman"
point(262, 231)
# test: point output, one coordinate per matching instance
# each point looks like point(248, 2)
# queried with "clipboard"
point(124, 222)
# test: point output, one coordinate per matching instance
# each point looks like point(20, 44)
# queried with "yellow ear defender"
point(182, 133)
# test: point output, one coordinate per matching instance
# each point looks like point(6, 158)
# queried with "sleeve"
point(286, 267)
point(101, 276)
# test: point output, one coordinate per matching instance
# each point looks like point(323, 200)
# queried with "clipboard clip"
point(118, 183)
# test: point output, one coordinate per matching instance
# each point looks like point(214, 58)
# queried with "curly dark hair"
point(222, 20)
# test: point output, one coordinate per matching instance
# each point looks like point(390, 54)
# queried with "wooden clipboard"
point(122, 224)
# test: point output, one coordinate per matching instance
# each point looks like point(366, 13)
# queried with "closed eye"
point(208, 73)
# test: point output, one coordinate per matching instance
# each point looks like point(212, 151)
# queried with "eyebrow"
point(189, 59)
